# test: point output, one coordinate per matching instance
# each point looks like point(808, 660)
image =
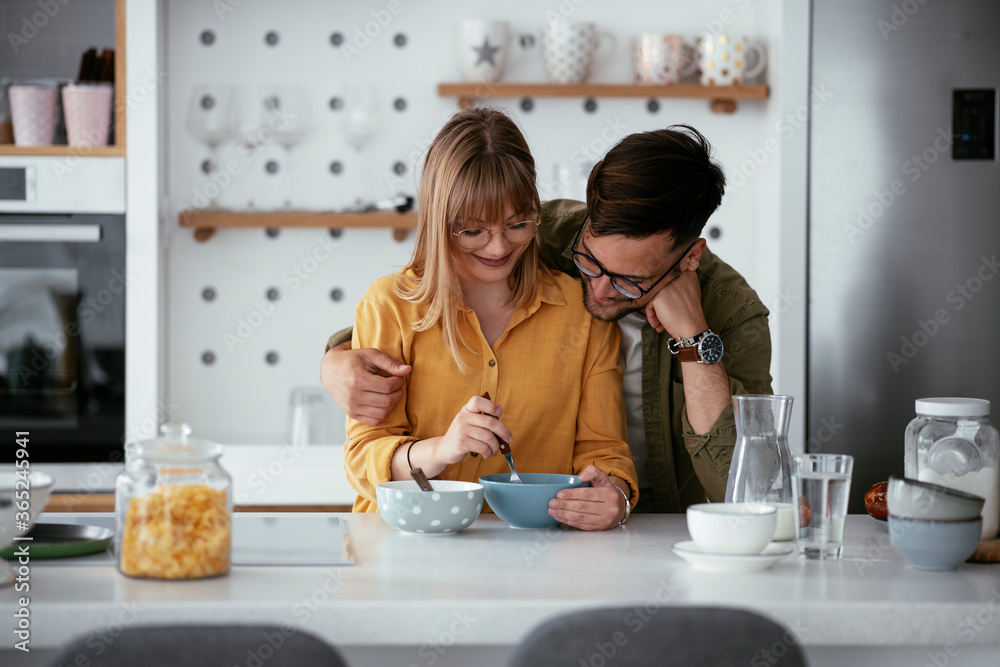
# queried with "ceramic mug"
point(33, 110)
point(87, 108)
point(568, 50)
point(662, 59)
point(722, 59)
point(482, 49)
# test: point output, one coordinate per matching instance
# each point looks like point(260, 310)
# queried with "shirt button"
point(493, 362)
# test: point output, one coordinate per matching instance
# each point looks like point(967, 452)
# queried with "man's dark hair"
point(655, 182)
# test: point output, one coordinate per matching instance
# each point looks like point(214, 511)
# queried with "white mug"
point(482, 49)
point(662, 59)
point(568, 50)
point(723, 59)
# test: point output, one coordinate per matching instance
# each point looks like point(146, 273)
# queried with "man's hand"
point(599, 507)
point(677, 307)
point(677, 310)
point(365, 383)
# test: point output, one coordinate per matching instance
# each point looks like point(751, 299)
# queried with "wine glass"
point(359, 122)
point(211, 120)
point(285, 113)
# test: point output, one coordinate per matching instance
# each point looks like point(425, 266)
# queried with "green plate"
point(63, 540)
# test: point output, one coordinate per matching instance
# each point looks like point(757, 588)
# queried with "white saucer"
point(719, 562)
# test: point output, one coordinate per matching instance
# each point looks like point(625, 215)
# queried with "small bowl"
point(732, 528)
point(526, 505)
point(928, 544)
point(451, 507)
point(908, 498)
point(39, 488)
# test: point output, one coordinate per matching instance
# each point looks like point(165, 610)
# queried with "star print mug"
point(482, 49)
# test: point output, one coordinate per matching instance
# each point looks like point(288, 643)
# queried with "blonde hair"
point(478, 164)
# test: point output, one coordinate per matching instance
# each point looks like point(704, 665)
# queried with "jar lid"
point(953, 407)
point(175, 443)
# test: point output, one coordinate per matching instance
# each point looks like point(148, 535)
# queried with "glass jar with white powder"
point(952, 442)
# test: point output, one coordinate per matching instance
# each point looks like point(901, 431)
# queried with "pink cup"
point(88, 113)
point(33, 112)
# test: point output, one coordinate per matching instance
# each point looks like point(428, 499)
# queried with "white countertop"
point(262, 475)
point(491, 584)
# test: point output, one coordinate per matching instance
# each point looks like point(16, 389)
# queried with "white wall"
point(240, 397)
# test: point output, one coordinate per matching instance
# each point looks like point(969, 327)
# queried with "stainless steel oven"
point(63, 279)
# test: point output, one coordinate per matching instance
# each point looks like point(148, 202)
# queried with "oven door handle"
point(50, 233)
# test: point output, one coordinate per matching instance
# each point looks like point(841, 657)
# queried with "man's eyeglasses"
point(591, 267)
point(474, 238)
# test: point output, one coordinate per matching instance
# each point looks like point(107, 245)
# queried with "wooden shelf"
point(117, 111)
point(205, 222)
point(63, 150)
point(723, 98)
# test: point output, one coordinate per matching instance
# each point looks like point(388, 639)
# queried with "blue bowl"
point(526, 505)
point(931, 544)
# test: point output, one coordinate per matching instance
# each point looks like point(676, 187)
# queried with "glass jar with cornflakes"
point(174, 508)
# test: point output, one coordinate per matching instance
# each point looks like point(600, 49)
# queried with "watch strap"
point(688, 354)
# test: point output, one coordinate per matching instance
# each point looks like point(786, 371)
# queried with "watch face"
point(711, 349)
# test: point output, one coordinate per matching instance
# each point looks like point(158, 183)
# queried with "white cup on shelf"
point(569, 48)
point(482, 49)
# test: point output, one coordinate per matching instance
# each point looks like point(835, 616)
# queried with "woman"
point(475, 313)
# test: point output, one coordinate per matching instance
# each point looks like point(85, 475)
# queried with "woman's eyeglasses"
point(474, 238)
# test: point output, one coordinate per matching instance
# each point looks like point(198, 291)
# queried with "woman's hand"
point(472, 431)
point(598, 507)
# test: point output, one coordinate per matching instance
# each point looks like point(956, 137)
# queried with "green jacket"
point(686, 468)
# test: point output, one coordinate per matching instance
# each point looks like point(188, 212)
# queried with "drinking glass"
point(821, 484)
point(310, 421)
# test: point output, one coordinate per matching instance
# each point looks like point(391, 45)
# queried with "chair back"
point(661, 636)
point(199, 646)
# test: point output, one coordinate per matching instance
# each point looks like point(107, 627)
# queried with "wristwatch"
point(628, 505)
point(705, 348)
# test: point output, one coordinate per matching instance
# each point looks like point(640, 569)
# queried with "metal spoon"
point(505, 450)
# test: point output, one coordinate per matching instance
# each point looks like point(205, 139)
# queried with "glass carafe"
point(761, 469)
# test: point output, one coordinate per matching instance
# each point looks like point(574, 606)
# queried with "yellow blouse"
point(554, 370)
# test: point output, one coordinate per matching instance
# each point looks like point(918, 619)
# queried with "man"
point(693, 333)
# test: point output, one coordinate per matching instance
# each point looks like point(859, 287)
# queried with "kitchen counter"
point(262, 475)
point(422, 600)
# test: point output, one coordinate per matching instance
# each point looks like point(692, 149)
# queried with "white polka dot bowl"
point(451, 507)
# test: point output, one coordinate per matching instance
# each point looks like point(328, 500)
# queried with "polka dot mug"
point(722, 59)
point(568, 50)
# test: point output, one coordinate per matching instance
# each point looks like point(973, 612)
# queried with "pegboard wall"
point(248, 312)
